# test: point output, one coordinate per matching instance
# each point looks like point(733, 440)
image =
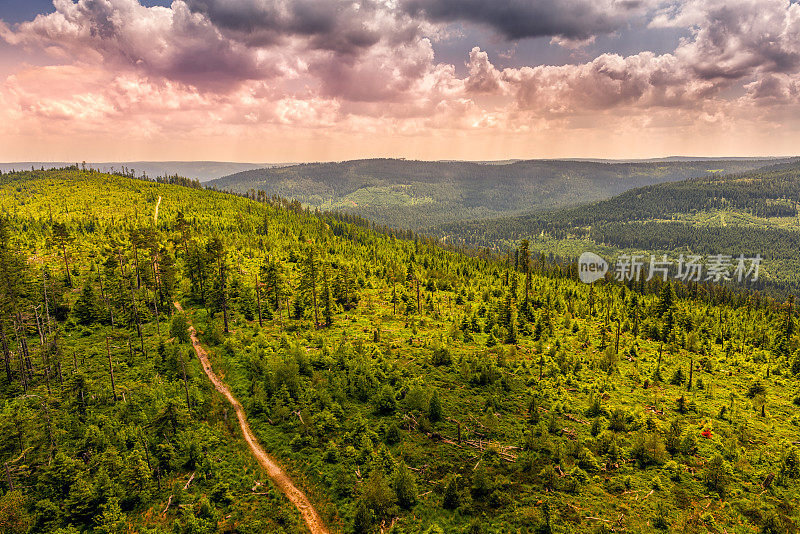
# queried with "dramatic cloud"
point(345, 27)
point(172, 42)
point(329, 70)
point(774, 89)
point(733, 39)
point(380, 74)
point(518, 19)
point(483, 76)
point(750, 46)
point(610, 81)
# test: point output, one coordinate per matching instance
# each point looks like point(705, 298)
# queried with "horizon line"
point(399, 158)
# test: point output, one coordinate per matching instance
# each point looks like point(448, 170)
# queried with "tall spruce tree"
point(14, 284)
point(216, 250)
point(327, 300)
point(666, 300)
point(274, 285)
point(61, 239)
point(310, 278)
point(525, 266)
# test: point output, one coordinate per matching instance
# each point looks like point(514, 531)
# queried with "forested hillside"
point(744, 213)
point(403, 386)
point(200, 170)
point(418, 194)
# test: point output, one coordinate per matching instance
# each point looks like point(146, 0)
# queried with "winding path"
point(278, 475)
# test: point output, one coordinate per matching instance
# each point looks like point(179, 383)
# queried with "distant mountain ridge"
point(414, 194)
point(199, 170)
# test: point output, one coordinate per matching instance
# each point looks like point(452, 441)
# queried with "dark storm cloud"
point(345, 27)
point(518, 19)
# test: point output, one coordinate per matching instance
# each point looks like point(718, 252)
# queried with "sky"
point(330, 80)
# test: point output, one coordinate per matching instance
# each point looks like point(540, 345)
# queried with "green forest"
point(754, 212)
point(416, 195)
point(404, 385)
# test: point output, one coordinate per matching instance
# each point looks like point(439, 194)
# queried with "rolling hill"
point(749, 213)
point(419, 194)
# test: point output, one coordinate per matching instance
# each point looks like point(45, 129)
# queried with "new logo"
point(591, 267)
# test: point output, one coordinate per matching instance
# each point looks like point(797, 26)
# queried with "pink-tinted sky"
point(303, 80)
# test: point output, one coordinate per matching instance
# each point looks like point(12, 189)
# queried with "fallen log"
point(169, 502)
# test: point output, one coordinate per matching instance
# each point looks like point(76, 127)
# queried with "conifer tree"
point(183, 230)
point(86, 308)
point(138, 240)
point(451, 499)
point(258, 304)
point(525, 265)
point(310, 278)
point(327, 301)
point(435, 408)
point(62, 238)
point(506, 311)
point(404, 487)
point(14, 275)
point(274, 284)
point(216, 250)
point(343, 287)
point(199, 265)
point(666, 300)
point(410, 275)
point(167, 278)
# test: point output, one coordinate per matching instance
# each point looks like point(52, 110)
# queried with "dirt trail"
point(278, 475)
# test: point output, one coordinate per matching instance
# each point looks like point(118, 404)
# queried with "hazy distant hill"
point(200, 170)
point(419, 194)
